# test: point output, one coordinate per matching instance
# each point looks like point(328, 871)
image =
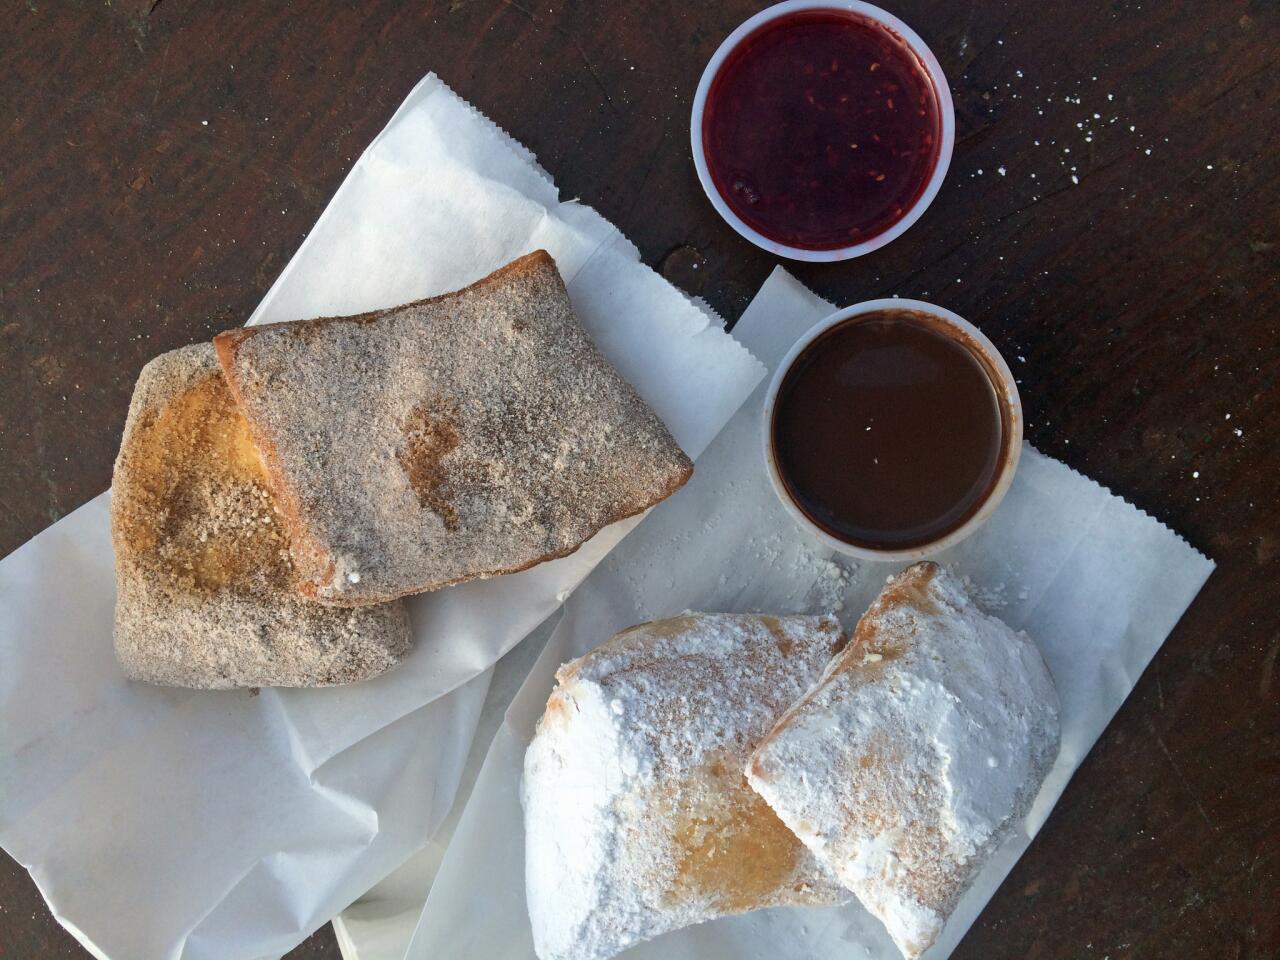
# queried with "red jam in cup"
point(822, 129)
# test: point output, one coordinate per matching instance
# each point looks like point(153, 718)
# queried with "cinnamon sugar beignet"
point(207, 592)
point(460, 437)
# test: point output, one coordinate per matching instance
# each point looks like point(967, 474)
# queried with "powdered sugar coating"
point(916, 755)
point(465, 436)
point(638, 819)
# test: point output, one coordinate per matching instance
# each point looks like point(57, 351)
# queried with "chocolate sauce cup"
point(944, 102)
point(1006, 393)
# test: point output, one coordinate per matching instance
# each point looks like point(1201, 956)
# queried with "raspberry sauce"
point(822, 129)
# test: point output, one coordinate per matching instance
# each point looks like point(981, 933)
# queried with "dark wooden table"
point(1111, 220)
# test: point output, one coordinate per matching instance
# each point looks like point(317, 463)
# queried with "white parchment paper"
point(1097, 584)
point(381, 923)
point(176, 824)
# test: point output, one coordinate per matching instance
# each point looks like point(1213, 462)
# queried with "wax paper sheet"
point(177, 824)
point(1097, 583)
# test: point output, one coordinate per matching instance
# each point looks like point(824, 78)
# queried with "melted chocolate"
point(821, 129)
point(887, 430)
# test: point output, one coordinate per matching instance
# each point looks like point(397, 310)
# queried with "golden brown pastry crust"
point(464, 436)
point(207, 591)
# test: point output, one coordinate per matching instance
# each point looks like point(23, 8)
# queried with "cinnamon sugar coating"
point(455, 438)
point(207, 593)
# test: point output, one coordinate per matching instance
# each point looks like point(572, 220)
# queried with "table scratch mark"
point(527, 12)
point(1252, 74)
point(991, 42)
point(164, 59)
point(914, 275)
point(15, 514)
point(577, 45)
point(94, 103)
point(648, 169)
point(596, 77)
point(1186, 784)
point(1268, 667)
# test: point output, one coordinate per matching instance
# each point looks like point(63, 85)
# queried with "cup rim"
point(1013, 443)
point(946, 110)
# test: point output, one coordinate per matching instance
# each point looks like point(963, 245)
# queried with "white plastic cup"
point(1006, 394)
point(946, 112)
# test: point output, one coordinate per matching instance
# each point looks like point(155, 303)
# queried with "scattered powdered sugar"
point(1071, 112)
point(918, 752)
point(831, 580)
point(988, 598)
point(637, 817)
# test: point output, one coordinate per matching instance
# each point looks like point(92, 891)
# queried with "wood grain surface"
point(1111, 220)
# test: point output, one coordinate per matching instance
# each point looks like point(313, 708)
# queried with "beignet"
point(916, 755)
point(207, 594)
point(638, 819)
point(465, 436)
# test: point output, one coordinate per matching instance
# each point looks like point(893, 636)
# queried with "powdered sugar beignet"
point(913, 759)
point(638, 819)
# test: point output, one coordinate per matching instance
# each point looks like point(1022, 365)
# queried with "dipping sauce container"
point(822, 130)
point(892, 429)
